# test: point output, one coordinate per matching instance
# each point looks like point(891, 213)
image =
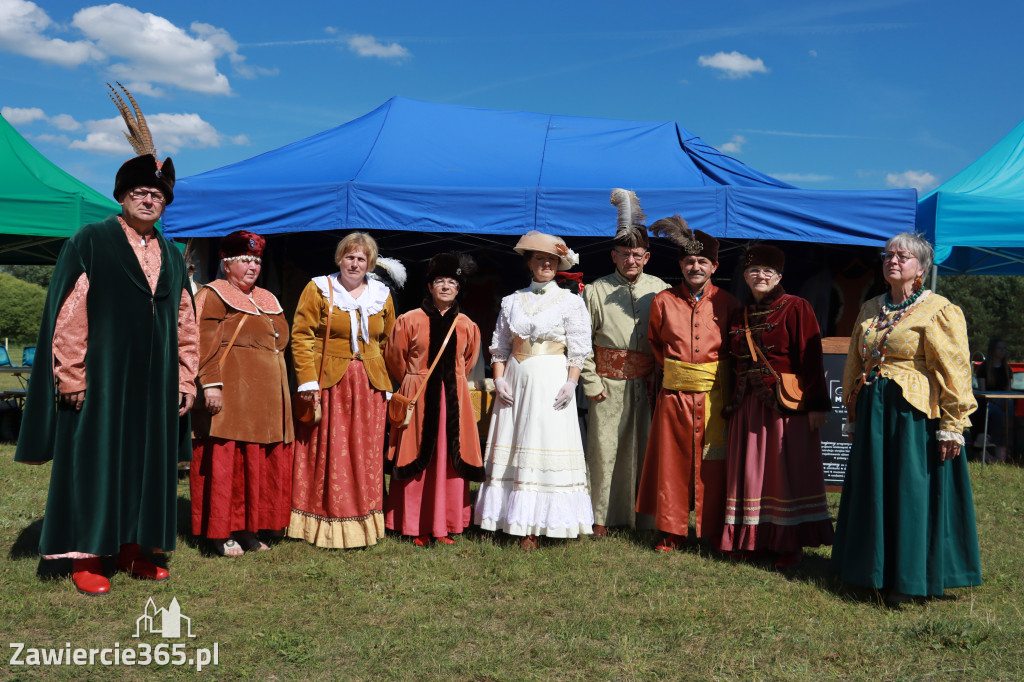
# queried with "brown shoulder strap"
point(234, 336)
point(436, 359)
point(327, 331)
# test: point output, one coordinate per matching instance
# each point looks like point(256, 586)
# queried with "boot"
point(131, 561)
point(87, 574)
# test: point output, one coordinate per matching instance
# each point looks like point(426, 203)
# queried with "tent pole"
point(935, 277)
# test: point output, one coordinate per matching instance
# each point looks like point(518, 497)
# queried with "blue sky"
point(825, 95)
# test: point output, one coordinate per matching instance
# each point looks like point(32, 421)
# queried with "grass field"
point(484, 610)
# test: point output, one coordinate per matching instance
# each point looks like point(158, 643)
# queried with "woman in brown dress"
point(242, 455)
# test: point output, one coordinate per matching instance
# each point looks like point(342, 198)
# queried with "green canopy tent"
point(40, 205)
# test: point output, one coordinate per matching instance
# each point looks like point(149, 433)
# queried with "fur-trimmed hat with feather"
point(145, 170)
point(690, 242)
point(456, 266)
point(631, 229)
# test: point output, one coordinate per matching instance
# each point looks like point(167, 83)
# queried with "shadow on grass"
point(26, 546)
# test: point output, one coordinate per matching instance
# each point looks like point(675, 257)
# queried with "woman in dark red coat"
point(775, 494)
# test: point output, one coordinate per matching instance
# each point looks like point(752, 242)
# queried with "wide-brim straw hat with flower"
point(535, 240)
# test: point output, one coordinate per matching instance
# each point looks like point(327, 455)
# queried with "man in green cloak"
point(118, 348)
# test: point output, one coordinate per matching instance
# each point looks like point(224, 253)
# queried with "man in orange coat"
point(684, 467)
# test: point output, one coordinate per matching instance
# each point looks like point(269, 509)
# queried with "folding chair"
point(28, 356)
point(5, 359)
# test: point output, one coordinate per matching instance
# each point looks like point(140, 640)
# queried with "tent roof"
point(418, 166)
point(976, 218)
point(40, 205)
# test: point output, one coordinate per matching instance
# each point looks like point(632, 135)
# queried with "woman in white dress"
point(536, 476)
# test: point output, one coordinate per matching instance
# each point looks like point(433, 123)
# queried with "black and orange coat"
point(412, 346)
point(786, 330)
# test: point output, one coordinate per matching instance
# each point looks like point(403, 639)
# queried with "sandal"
point(227, 548)
point(250, 543)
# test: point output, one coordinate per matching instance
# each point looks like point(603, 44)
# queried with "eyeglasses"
point(630, 255)
point(140, 194)
point(767, 273)
point(440, 281)
point(900, 258)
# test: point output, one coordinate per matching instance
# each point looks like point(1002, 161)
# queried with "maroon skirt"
point(775, 483)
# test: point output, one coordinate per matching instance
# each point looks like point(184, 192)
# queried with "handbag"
point(789, 389)
point(400, 407)
point(304, 411)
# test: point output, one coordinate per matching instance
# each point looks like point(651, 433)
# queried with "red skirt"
point(434, 502)
point(775, 484)
point(239, 486)
point(338, 475)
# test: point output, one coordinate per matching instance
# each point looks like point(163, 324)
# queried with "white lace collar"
point(359, 309)
point(542, 288)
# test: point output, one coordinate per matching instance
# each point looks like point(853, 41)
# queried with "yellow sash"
point(686, 376)
point(701, 378)
point(524, 349)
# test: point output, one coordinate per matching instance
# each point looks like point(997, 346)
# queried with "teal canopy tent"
point(976, 218)
point(40, 205)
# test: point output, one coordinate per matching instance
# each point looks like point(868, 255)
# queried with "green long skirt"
point(906, 519)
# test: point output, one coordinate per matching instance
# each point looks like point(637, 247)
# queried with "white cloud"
point(331, 29)
point(801, 178)
point(733, 64)
point(921, 180)
point(812, 53)
point(368, 46)
point(734, 146)
point(16, 116)
point(134, 47)
point(61, 140)
point(65, 122)
point(22, 30)
point(171, 133)
point(153, 50)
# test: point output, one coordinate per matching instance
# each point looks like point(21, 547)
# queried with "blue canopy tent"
point(442, 169)
point(976, 218)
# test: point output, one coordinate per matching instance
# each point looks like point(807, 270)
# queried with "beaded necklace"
point(884, 327)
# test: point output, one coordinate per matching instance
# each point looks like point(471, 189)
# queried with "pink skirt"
point(239, 486)
point(338, 475)
point(434, 502)
point(775, 483)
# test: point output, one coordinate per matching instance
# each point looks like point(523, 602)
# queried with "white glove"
point(565, 394)
point(503, 391)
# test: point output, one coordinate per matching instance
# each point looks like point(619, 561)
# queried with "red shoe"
point(670, 543)
point(446, 540)
point(87, 574)
point(529, 543)
point(422, 541)
point(131, 561)
point(600, 531)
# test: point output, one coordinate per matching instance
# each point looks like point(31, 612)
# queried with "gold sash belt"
point(613, 363)
point(686, 376)
point(701, 378)
point(524, 349)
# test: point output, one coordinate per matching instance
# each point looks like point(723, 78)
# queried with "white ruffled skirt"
point(536, 476)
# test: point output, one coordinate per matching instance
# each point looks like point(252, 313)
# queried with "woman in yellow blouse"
point(338, 478)
point(906, 518)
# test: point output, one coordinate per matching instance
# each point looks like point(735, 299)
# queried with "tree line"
point(993, 306)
